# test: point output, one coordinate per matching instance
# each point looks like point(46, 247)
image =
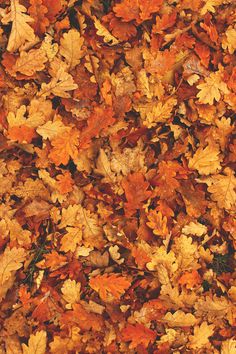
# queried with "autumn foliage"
point(117, 176)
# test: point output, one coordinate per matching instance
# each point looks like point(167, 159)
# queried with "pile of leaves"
point(117, 161)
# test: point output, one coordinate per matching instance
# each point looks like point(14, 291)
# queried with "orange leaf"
point(109, 286)
point(38, 11)
point(22, 134)
point(136, 192)
point(54, 7)
point(54, 260)
point(98, 121)
point(65, 183)
point(64, 147)
point(138, 334)
point(190, 279)
point(158, 223)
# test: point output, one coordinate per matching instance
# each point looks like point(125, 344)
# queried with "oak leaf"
point(21, 31)
point(71, 47)
point(206, 160)
point(30, 62)
point(136, 192)
point(190, 279)
point(71, 239)
point(64, 147)
point(230, 41)
point(109, 286)
point(59, 85)
point(10, 261)
point(201, 335)
point(36, 344)
point(138, 334)
point(222, 188)
point(52, 128)
point(71, 291)
point(228, 346)
point(158, 223)
point(212, 88)
point(38, 12)
point(180, 319)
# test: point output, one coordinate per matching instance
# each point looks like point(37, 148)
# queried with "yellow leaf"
point(18, 118)
point(201, 335)
point(71, 47)
point(20, 31)
point(10, 261)
point(210, 6)
point(103, 32)
point(59, 85)
point(71, 291)
point(30, 62)
point(222, 188)
point(158, 223)
point(229, 41)
point(71, 239)
point(179, 319)
point(212, 88)
point(228, 346)
point(206, 160)
point(36, 344)
point(51, 129)
point(194, 228)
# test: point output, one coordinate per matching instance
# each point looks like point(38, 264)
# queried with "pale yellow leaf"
point(229, 41)
point(228, 346)
point(10, 261)
point(51, 129)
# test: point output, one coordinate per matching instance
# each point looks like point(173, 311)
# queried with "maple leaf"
point(109, 286)
point(138, 334)
point(59, 85)
point(30, 62)
point(212, 88)
point(20, 31)
point(201, 335)
point(136, 192)
point(64, 147)
point(206, 160)
point(222, 188)
point(38, 12)
point(36, 344)
point(158, 223)
point(71, 47)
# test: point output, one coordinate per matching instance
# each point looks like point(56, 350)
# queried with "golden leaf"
point(206, 160)
point(36, 344)
point(229, 41)
point(52, 128)
point(201, 335)
point(212, 88)
point(59, 85)
point(71, 292)
point(71, 47)
point(20, 31)
point(103, 32)
point(71, 239)
point(179, 319)
point(30, 62)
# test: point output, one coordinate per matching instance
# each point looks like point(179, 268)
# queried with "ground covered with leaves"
point(117, 161)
